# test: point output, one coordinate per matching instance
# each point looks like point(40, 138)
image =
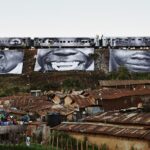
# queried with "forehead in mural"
point(9, 60)
point(133, 60)
point(64, 59)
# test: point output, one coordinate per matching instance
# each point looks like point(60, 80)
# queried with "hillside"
point(11, 84)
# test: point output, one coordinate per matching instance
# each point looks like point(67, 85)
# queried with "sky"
point(74, 18)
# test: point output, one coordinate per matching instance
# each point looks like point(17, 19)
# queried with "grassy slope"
point(23, 147)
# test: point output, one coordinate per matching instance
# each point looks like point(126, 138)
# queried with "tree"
point(123, 73)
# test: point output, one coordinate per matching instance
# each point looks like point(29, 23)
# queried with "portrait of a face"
point(133, 60)
point(64, 59)
point(15, 42)
point(11, 61)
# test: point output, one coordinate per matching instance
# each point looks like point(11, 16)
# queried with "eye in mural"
point(11, 61)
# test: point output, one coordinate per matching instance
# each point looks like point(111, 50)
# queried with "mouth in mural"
point(139, 61)
point(65, 65)
point(138, 67)
point(139, 56)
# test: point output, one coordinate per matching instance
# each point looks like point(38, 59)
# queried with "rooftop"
point(117, 93)
point(104, 129)
point(134, 118)
point(110, 83)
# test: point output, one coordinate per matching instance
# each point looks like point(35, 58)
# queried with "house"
point(130, 84)
point(83, 105)
point(116, 99)
point(117, 130)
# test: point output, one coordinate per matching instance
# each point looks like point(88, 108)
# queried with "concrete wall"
point(114, 143)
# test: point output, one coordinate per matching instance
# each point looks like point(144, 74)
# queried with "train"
point(125, 42)
point(77, 42)
point(64, 42)
point(15, 42)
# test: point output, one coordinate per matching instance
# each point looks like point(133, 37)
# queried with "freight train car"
point(64, 42)
point(15, 42)
point(126, 42)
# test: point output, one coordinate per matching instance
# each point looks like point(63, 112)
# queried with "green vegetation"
point(121, 74)
point(124, 74)
point(104, 147)
point(77, 80)
point(64, 141)
point(94, 56)
point(72, 84)
point(23, 147)
point(11, 84)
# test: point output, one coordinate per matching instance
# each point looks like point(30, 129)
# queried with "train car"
point(127, 42)
point(64, 42)
point(119, 42)
point(15, 42)
point(115, 42)
point(139, 41)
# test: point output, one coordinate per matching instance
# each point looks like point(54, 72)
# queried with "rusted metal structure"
point(116, 99)
point(79, 100)
point(135, 118)
point(124, 83)
point(114, 136)
point(105, 129)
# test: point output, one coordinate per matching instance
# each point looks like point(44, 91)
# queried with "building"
point(122, 131)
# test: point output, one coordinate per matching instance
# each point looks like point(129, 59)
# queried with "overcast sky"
point(39, 18)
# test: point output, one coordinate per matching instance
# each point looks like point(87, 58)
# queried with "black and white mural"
point(64, 59)
point(11, 61)
point(133, 60)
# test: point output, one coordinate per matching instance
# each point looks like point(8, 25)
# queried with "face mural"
point(11, 61)
point(64, 59)
point(133, 60)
